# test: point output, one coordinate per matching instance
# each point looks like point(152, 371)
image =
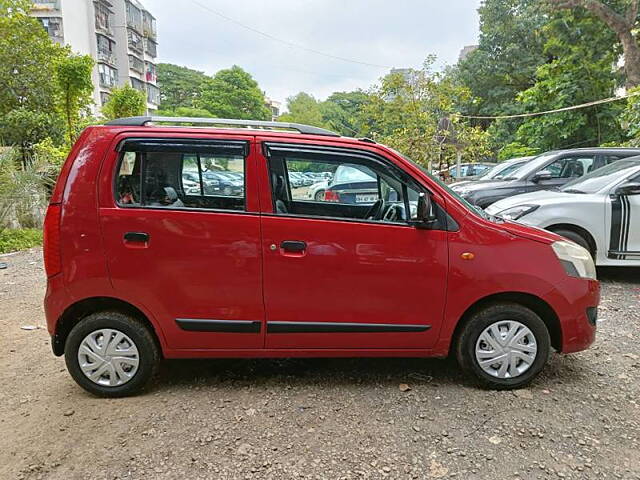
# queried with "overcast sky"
point(387, 33)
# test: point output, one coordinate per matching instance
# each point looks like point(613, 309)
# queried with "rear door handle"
point(140, 237)
point(293, 246)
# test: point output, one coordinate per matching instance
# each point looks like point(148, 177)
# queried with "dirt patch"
point(319, 418)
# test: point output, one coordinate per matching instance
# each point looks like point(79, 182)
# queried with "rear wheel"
point(111, 354)
point(504, 346)
point(319, 196)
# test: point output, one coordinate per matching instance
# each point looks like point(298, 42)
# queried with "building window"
point(135, 41)
point(150, 47)
point(104, 97)
point(105, 49)
point(138, 84)
point(103, 18)
point(134, 17)
point(136, 64)
point(148, 25)
point(153, 94)
point(108, 75)
point(53, 26)
point(150, 72)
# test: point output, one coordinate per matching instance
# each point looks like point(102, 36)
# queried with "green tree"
point(179, 86)
point(405, 110)
point(27, 60)
point(342, 112)
point(621, 18)
point(579, 72)
point(73, 75)
point(125, 102)
point(303, 108)
point(25, 128)
point(233, 93)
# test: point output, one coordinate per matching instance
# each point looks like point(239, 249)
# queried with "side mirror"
point(425, 215)
point(629, 188)
point(542, 175)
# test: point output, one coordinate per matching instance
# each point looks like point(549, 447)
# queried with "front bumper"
point(577, 313)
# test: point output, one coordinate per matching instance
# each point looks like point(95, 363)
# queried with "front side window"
point(340, 186)
point(181, 179)
point(570, 167)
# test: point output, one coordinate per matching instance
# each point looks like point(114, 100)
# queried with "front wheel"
point(111, 354)
point(505, 346)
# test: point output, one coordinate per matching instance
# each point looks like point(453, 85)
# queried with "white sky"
point(398, 33)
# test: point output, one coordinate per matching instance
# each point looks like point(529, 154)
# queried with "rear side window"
point(165, 174)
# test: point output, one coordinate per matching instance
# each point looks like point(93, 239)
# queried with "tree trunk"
point(631, 58)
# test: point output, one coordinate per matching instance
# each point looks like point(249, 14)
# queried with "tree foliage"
point(304, 108)
point(73, 76)
point(233, 93)
point(180, 87)
point(125, 101)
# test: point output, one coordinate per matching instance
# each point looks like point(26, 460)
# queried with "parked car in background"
point(217, 182)
point(548, 171)
point(498, 172)
point(316, 191)
point(466, 170)
point(599, 211)
point(352, 185)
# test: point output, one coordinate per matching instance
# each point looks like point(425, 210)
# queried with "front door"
point(348, 271)
point(623, 225)
point(182, 239)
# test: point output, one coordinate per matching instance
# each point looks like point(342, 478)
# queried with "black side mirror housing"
point(542, 175)
point(629, 188)
point(426, 217)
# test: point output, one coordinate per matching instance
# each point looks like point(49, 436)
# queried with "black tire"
point(144, 340)
point(479, 321)
point(576, 238)
point(319, 196)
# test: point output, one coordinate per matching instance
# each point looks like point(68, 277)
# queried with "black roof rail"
point(142, 121)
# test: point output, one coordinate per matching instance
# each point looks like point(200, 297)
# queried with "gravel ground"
point(319, 418)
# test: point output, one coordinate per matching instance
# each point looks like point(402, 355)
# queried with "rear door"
point(343, 275)
point(182, 245)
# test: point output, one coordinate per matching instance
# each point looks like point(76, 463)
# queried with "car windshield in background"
point(350, 174)
point(503, 171)
point(601, 178)
point(531, 166)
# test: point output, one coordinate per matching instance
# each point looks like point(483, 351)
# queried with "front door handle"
point(140, 237)
point(296, 246)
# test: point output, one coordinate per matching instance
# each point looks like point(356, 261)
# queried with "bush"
point(13, 240)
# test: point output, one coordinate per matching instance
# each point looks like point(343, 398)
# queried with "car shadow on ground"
point(347, 372)
point(310, 371)
point(619, 274)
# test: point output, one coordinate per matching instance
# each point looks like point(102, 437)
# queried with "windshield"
point(502, 171)
point(532, 166)
point(603, 177)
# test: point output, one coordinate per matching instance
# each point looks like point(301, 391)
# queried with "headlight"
point(514, 213)
point(577, 261)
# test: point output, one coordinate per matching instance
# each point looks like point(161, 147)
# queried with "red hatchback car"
point(148, 257)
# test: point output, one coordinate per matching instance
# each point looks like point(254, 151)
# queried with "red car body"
point(228, 266)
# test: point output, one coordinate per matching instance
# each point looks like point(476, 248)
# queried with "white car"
point(599, 211)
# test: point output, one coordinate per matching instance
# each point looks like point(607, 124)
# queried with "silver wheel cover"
point(108, 357)
point(506, 349)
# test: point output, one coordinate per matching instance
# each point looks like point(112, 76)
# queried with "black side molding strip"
point(341, 327)
point(205, 325)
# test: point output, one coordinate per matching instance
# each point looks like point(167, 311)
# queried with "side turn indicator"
point(467, 256)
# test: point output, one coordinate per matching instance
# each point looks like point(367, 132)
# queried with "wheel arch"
point(577, 229)
point(534, 303)
point(80, 309)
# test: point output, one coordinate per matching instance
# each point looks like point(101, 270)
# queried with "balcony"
point(135, 42)
point(136, 64)
point(148, 25)
point(153, 94)
point(104, 16)
point(107, 57)
point(150, 48)
point(134, 17)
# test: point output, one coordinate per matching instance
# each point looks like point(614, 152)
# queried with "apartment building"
point(120, 35)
